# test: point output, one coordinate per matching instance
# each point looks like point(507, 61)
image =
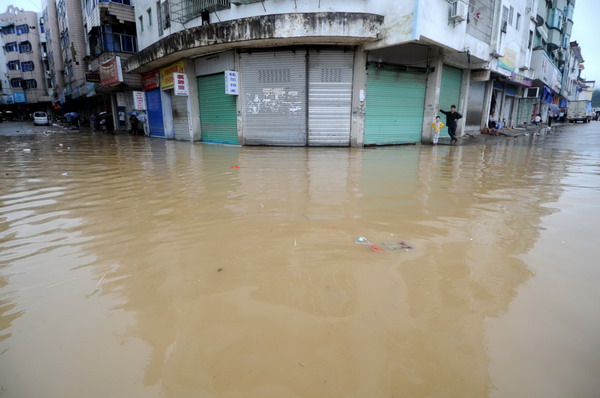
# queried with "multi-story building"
point(110, 40)
point(499, 86)
point(554, 25)
point(56, 64)
point(352, 72)
point(23, 59)
point(72, 51)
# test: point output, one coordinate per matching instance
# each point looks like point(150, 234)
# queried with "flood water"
point(133, 267)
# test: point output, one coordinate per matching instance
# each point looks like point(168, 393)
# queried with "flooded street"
point(134, 267)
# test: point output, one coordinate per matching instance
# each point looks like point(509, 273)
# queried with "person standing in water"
point(451, 118)
point(435, 129)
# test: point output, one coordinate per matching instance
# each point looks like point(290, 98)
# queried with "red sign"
point(111, 73)
point(151, 80)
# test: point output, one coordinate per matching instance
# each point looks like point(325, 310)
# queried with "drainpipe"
point(415, 24)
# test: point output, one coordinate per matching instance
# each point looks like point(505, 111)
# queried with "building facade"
point(23, 69)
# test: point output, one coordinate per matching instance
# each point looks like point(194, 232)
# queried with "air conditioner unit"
point(459, 11)
point(531, 92)
point(504, 26)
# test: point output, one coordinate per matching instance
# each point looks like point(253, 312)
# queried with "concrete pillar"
point(432, 97)
point(238, 103)
point(463, 104)
point(193, 104)
point(359, 89)
point(487, 103)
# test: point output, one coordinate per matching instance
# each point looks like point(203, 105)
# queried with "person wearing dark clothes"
point(110, 124)
point(451, 118)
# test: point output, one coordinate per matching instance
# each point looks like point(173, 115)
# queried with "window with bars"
point(8, 30)
point(12, 46)
point(29, 83)
point(16, 82)
point(25, 47)
point(22, 29)
point(27, 66)
point(13, 65)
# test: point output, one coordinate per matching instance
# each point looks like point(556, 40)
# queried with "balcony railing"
point(186, 10)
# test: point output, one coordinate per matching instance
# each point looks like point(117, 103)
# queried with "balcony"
point(186, 10)
point(554, 39)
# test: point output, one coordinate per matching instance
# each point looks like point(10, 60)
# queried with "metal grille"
point(274, 76)
point(186, 10)
point(331, 75)
point(330, 97)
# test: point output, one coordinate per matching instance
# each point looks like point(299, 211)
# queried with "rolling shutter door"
point(217, 110)
point(329, 97)
point(155, 115)
point(395, 101)
point(181, 129)
point(274, 98)
point(450, 91)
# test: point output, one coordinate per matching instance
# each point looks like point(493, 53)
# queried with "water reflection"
point(196, 278)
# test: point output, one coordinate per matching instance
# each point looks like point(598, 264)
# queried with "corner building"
point(307, 73)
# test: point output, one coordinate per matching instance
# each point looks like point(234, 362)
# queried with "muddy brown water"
point(132, 267)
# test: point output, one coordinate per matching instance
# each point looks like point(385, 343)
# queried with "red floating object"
point(235, 167)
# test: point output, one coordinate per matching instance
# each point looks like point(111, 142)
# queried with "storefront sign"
point(92, 77)
point(19, 97)
point(482, 75)
point(181, 84)
point(121, 101)
point(509, 61)
point(166, 74)
point(111, 73)
point(522, 80)
point(231, 82)
point(139, 100)
point(90, 89)
point(151, 80)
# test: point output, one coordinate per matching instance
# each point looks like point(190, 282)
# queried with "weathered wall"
point(261, 31)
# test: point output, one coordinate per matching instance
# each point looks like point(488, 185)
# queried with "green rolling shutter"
point(395, 101)
point(218, 121)
point(450, 91)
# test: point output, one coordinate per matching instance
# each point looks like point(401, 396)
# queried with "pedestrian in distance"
point(537, 119)
point(435, 129)
point(451, 118)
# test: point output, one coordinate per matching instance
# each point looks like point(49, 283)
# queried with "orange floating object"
point(235, 167)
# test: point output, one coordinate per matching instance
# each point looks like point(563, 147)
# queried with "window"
point(518, 22)
point(49, 82)
point(530, 39)
point(12, 46)
point(30, 83)
point(159, 20)
point(510, 15)
point(25, 47)
point(8, 30)
point(149, 11)
point(13, 65)
point(27, 66)
point(126, 2)
point(166, 15)
point(141, 18)
point(16, 82)
point(22, 29)
point(44, 47)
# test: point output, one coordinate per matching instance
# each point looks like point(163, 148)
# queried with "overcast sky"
point(586, 31)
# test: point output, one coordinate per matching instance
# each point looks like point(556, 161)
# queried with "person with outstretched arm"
point(451, 118)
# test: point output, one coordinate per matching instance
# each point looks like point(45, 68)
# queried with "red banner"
point(111, 73)
point(151, 80)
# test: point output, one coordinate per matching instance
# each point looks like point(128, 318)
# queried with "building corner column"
point(463, 104)
point(432, 98)
point(194, 106)
point(359, 94)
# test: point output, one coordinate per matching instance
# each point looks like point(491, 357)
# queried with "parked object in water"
point(41, 119)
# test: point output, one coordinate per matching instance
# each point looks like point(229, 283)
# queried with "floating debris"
point(65, 174)
point(27, 150)
point(400, 245)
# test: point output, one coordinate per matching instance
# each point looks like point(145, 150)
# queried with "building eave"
point(325, 28)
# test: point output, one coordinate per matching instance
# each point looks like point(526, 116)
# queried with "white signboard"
point(139, 100)
point(180, 84)
point(121, 99)
point(231, 82)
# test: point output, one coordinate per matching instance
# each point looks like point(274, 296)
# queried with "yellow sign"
point(166, 74)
